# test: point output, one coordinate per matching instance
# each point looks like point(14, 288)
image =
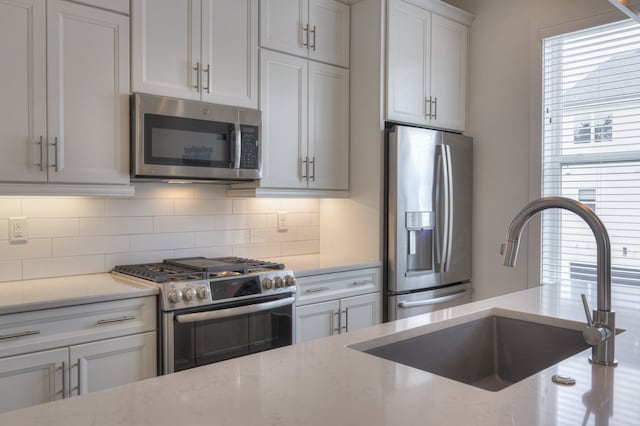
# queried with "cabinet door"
point(317, 320)
point(230, 52)
point(32, 379)
point(328, 126)
point(283, 101)
point(449, 41)
point(112, 362)
point(165, 47)
point(88, 94)
point(329, 32)
point(359, 312)
point(408, 63)
point(283, 25)
point(22, 90)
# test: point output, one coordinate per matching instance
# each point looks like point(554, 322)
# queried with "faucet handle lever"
point(587, 310)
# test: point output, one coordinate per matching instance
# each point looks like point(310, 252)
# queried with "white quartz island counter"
point(324, 382)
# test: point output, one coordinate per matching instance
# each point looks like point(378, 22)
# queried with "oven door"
point(198, 337)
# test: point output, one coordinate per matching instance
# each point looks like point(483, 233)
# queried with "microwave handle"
point(237, 147)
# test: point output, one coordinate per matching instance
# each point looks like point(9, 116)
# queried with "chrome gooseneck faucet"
point(600, 332)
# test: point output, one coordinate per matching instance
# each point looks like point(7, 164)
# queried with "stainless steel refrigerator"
point(428, 220)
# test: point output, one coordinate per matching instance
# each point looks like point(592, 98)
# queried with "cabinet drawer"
point(50, 328)
point(319, 288)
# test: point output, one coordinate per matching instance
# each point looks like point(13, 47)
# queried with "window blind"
point(591, 149)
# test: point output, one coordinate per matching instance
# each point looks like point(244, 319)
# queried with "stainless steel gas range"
point(216, 309)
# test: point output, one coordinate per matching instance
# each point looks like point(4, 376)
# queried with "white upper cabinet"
point(283, 101)
point(87, 89)
point(23, 125)
point(305, 119)
point(197, 49)
point(427, 64)
point(64, 114)
point(328, 152)
point(317, 29)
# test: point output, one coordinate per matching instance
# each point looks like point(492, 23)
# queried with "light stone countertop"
point(324, 382)
point(46, 293)
point(317, 264)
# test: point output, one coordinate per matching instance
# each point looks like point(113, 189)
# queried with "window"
point(591, 149)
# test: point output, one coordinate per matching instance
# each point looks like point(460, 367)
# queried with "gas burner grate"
point(160, 272)
point(218, 265)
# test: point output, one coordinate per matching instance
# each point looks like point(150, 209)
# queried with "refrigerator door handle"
point(438, 206)
point(448, 208)
point(434, 301)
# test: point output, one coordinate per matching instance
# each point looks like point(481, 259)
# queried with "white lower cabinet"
point(112, 362)
point(336, 303)
point(58, 353)
point(338, 316)
point(32, 379)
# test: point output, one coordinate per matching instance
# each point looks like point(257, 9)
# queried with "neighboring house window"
point(588, 197)
point(591, 149)
point(593, 129)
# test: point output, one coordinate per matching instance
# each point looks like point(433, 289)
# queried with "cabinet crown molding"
point(444, 9)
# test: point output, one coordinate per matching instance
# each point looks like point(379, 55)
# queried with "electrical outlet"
point(283, 222)
point(18, 229)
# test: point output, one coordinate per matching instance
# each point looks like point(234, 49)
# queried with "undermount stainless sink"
point(490, 352)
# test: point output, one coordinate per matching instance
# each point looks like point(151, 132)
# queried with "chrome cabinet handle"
point(64, 379)
point(317, 289)
point(208, 79)
point(313, 169)
point(363, 282)
point(335, 330)
point(305, 36)
point(197, 70)
point(304, 166)
point(435, 108)
point(79, 388)
point(313, 31)
point(435, 301)
point(427, 107)
point(344, 327)
point(41, 163)
point(119, 319)
point(56, 157)
point(21, 334)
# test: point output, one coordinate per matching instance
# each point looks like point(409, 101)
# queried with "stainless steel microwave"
point(176, 139)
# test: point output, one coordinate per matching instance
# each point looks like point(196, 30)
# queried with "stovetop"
point(196, 268)
point(198, 281)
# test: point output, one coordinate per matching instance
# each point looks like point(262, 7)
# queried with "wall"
point(353, 227)
point(504, 104)
point(69, 236)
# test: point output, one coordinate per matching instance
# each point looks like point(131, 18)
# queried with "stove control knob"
point(188, 294)
point(267, 283)
point(289, 280)
point(173, 296)
point(202, 292)
point(279, 282)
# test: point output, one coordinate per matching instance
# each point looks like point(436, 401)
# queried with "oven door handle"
point(232, 312)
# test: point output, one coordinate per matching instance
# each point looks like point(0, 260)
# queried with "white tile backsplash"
point(69, 236)
point(61, 266)
point(175, 240)
point(33, 248)
point(62, 207)
point(10, 207)
point(116, 225)
point(78, 246)
point(10, 270)
point(56, 227)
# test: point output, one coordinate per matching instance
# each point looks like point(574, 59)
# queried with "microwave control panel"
point(250, 157)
